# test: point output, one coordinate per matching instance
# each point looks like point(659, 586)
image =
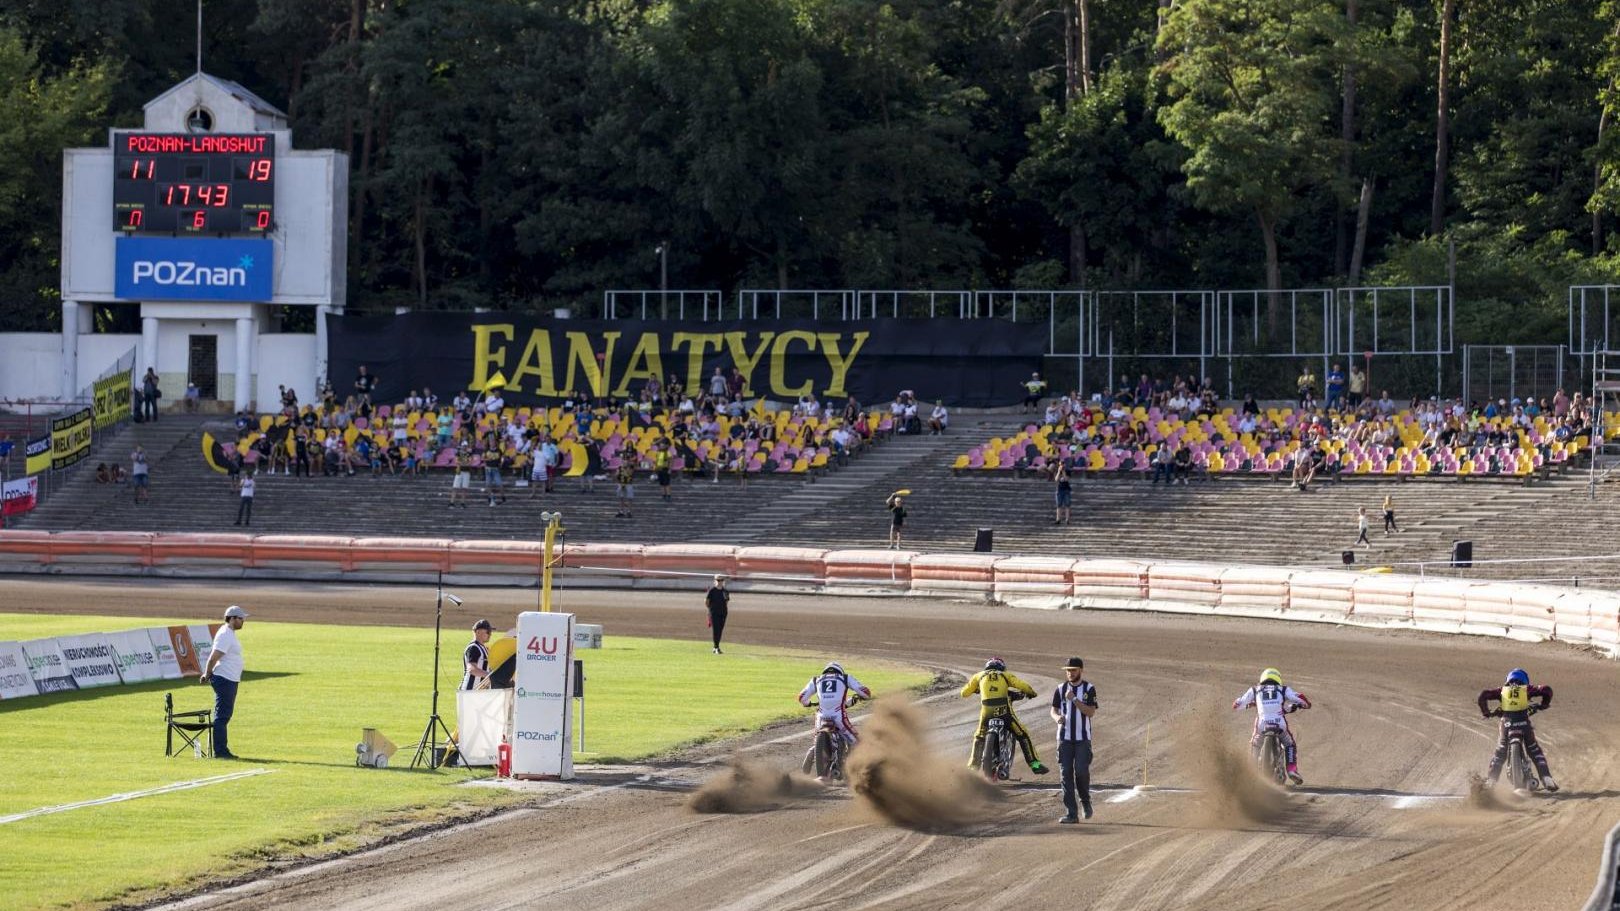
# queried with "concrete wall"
point(285, 360)
point(99, 352)
point(30, 365)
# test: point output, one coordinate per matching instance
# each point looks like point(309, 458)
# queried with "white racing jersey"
point(1269, 700)
point(830, 691)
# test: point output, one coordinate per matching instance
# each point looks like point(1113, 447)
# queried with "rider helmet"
point(1518, 677)
point(995, 664)
point(833, 667)
point(1271, 675)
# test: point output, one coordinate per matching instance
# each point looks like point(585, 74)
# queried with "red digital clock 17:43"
point(178, 183)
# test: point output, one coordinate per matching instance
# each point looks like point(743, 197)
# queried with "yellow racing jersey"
point(993, 687)
point(1515, 698)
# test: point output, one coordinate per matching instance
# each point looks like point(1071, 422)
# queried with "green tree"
point(1250, 84)
point(39, 116)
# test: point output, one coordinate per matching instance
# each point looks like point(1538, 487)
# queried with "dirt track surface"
point(1394, 723)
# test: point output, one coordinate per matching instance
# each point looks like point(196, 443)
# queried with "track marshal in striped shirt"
point(1073, 703)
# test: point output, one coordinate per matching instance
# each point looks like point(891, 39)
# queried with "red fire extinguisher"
point(503, 767)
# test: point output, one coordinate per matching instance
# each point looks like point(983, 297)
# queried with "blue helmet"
point(1518, 677)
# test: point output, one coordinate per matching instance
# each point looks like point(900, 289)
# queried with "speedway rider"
point(1514, 697)
point(829, 691)
point(994, 687)
point(1272, 702)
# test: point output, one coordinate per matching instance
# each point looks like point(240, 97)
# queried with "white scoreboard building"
point(211, 222)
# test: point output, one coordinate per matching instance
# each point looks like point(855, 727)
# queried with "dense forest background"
point(524, 155)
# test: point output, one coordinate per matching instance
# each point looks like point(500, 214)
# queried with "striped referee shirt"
point(1074, 725)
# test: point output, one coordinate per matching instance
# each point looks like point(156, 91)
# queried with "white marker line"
point(131, 795)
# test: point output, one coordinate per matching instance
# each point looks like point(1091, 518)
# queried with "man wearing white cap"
point(224, 674)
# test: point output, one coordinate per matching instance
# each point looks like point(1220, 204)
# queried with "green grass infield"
point(307, 693)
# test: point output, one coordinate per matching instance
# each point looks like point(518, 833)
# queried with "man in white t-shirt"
point(224, 674)
point(244, 507)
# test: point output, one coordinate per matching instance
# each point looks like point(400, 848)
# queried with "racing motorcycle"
point(996, 761)
point(827, 754)
point(1521, 772)
point(1271, 756)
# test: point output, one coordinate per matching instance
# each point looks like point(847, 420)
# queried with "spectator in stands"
point(301, 454)
point(1034, 388)
point(1361, 527)
point(364, 383)
point(429, 400)
point(150, 393)
point(1358, 386)
point(896, 505)
point(624, 485)
point(1389, 516)
point(103, 473)
point(462, 481)
point(1063, 495)
point(1335, 387)
point(939, 419)
point(244, 505)
point(1305, 387)
point(913, 423)
point(1183, 462)
point(1386, 405)
point(193, 398)
point(662, 461)
point(492, 475)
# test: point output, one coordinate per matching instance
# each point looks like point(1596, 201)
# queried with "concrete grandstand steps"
point(80, 502)
point(861, 485)
point(1220, 520)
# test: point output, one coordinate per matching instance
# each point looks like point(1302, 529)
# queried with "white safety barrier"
point(1450, 605)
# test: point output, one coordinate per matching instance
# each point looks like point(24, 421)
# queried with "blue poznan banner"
point(193, 269)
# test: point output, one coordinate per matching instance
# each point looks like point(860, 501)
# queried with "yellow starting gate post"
point(554, 528)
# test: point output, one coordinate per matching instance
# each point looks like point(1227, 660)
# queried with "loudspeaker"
point(982, 541)
point(1348, 556)
point(1462, 554)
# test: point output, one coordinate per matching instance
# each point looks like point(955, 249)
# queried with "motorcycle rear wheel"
point(825, 754)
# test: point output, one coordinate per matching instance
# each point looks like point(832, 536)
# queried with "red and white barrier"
point(1525, 612)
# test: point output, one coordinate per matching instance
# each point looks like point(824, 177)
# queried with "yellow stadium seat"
point(960, 463)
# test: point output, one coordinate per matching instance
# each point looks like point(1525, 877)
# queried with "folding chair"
point(194, 729)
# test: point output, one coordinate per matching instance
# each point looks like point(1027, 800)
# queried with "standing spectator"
point(896, 505)
point(138, 470)
point(1305, 385)
point(718, 600)
point(244, 506)
point(1335, 387)
point(463, 479)
point(224, 674)
point(301, 454)
point(492, 476)
point(150, 393)
point(1064, 496)
point(1358, 386)
point(661, 459)
point(475, 658)
point(364, 383)
point(1033, 388)
point(1389, 515)
point(717, 383)
point(593, 464)
point(1361, 527)
point(624, 486)
point(193, 398)
point(1073, 703)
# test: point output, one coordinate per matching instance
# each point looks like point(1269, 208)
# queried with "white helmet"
point(833, 667)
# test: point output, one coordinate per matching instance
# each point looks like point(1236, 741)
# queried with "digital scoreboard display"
point(183, 183)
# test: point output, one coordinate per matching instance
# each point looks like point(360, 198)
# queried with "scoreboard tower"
point(212, 223)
